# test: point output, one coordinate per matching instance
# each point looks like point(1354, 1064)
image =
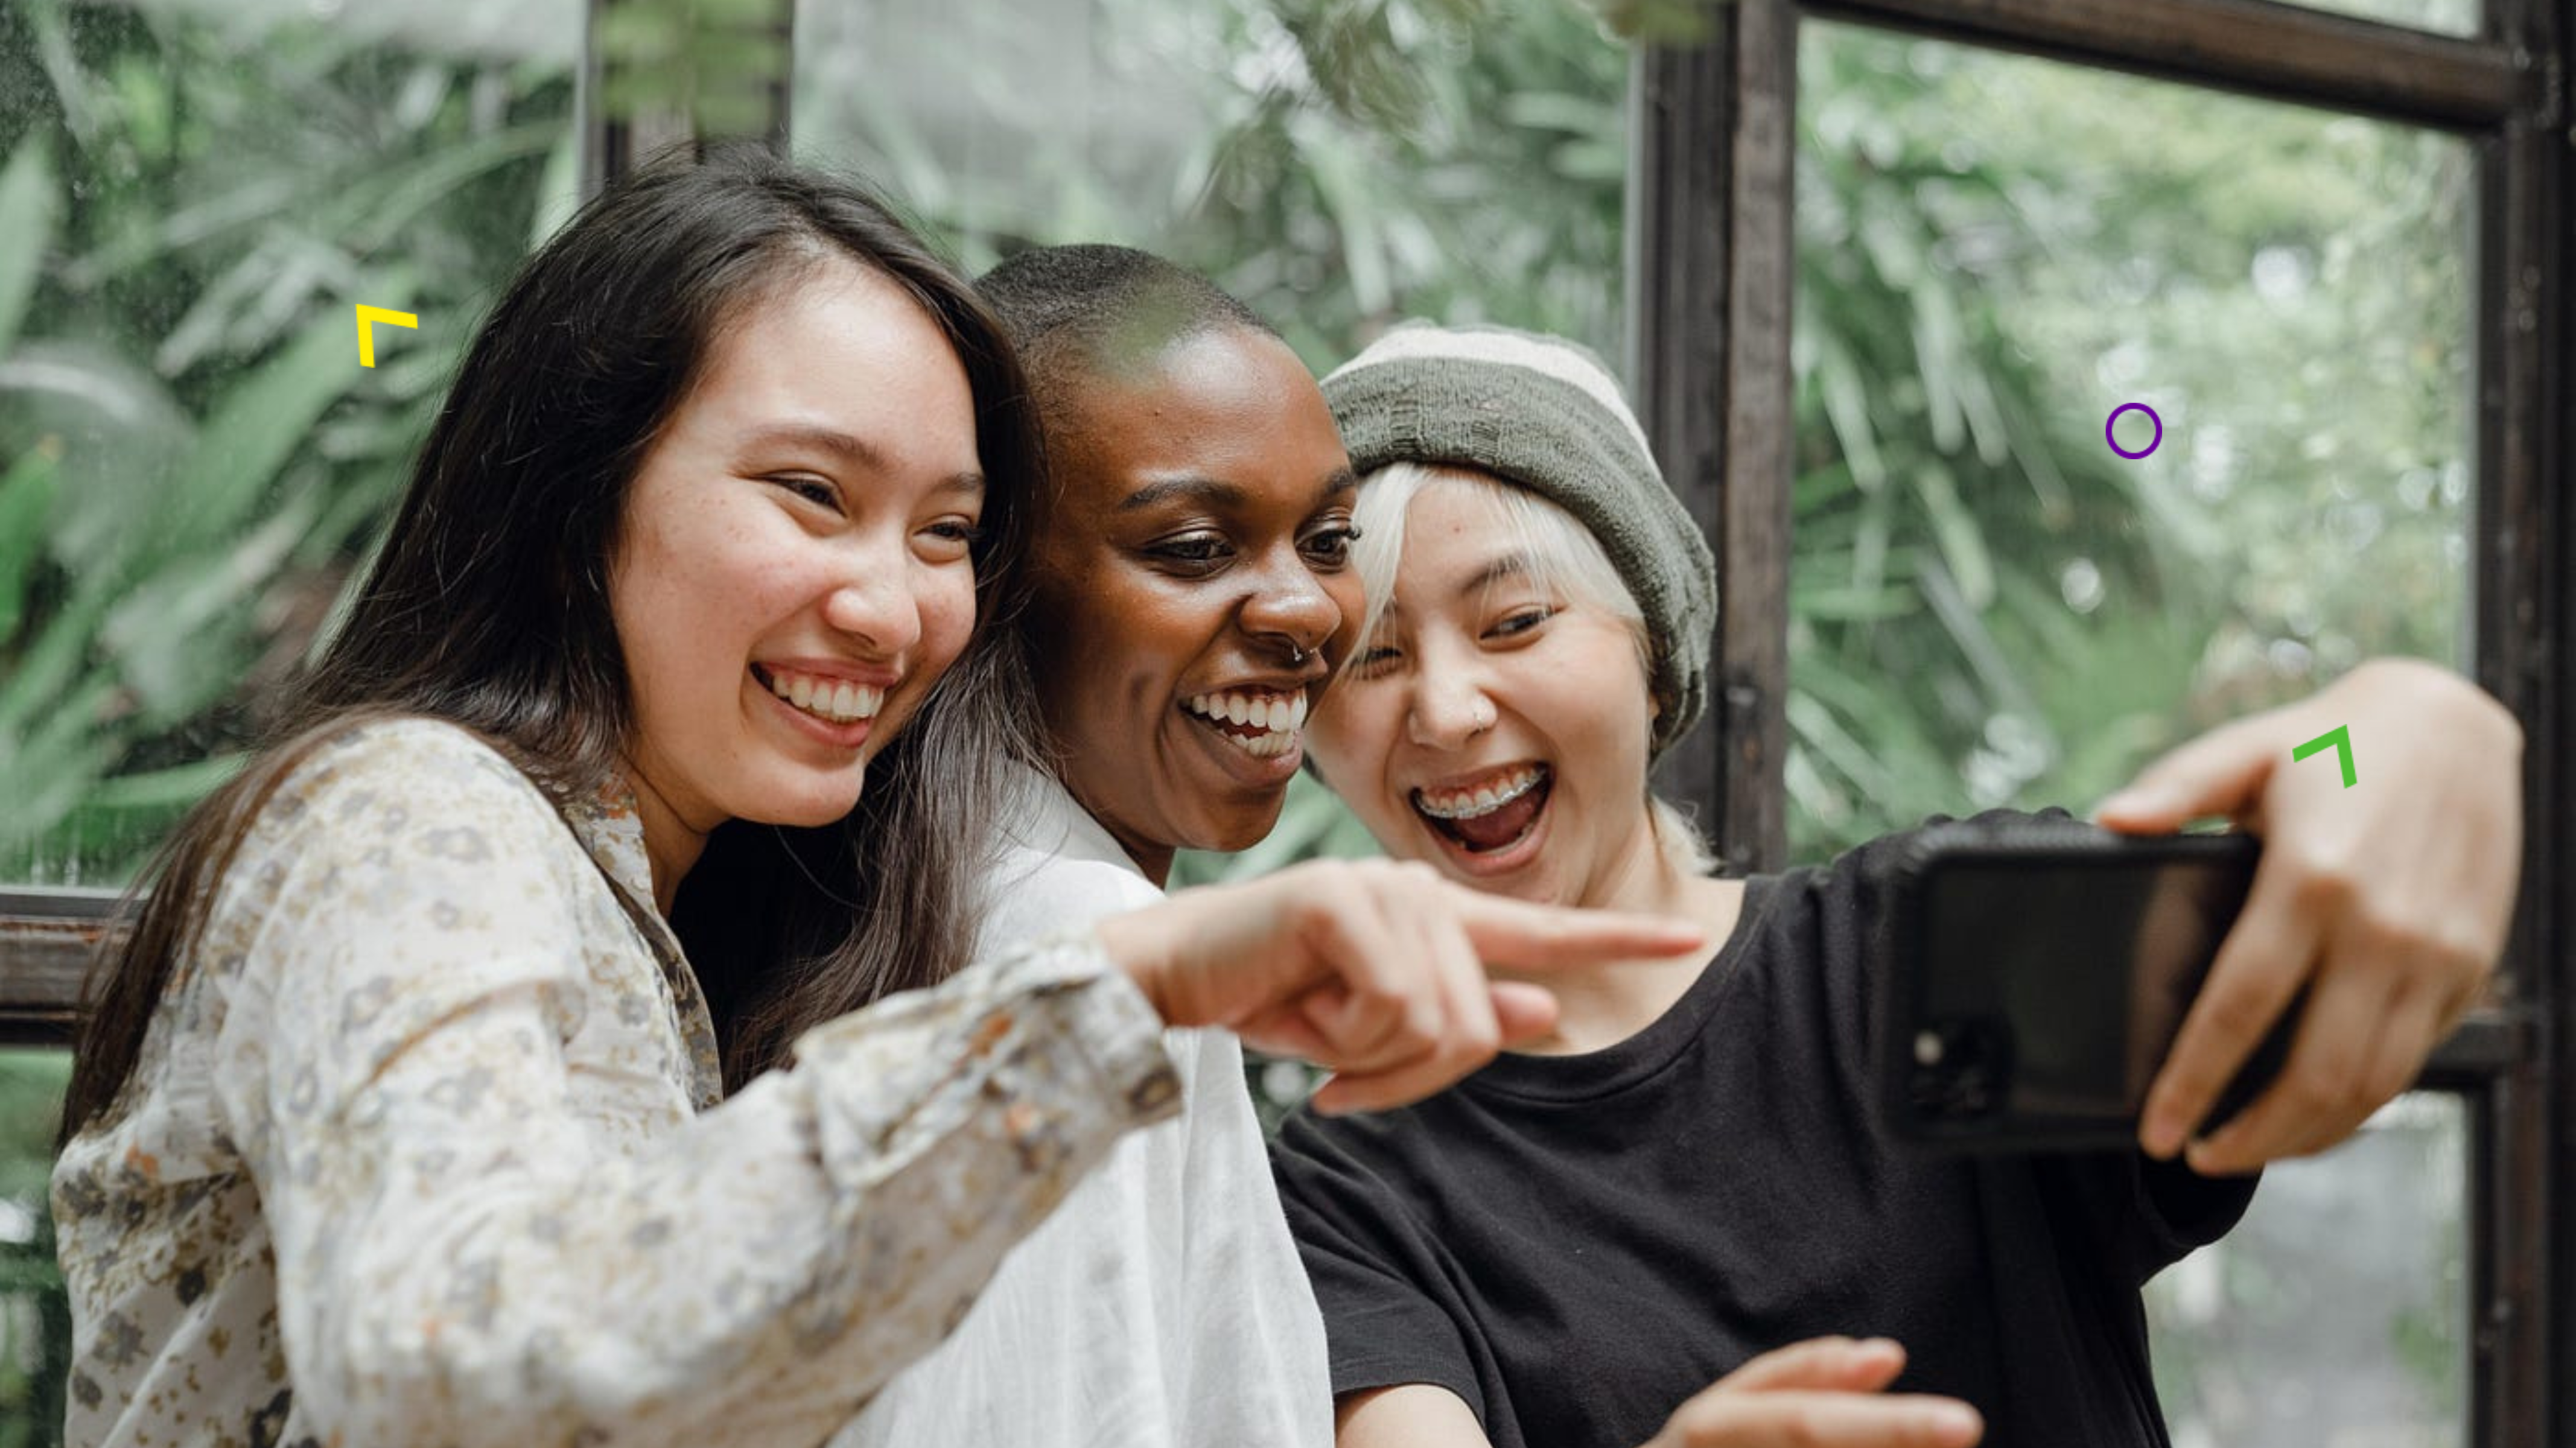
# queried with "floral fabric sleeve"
point(490, 1230)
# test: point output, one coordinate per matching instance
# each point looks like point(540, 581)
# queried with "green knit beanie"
point(1543, 413)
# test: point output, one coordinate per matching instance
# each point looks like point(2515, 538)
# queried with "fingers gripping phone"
point(2038, 973)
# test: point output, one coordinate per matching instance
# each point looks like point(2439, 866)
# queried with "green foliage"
point(1338, 164)
point(713, 62)
point(35, 1326)
point(1991, 607)
point(191, 459)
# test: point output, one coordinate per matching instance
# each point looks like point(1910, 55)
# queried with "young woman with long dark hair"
point(406, 1116)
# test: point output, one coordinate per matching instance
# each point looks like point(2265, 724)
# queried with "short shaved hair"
point(1094, 310)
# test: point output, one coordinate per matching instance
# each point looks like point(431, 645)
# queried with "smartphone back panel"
point(2038, 972)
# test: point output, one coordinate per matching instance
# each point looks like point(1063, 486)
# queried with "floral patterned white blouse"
point(425, 1146)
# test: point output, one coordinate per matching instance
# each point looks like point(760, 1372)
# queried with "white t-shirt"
point(1163, 1304)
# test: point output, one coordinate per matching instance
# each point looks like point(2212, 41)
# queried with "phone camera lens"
point(1960, 1068)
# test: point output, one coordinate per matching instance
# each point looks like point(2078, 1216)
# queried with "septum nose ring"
point(1296, 654)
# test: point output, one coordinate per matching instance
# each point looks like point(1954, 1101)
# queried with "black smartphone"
point(2037, 972)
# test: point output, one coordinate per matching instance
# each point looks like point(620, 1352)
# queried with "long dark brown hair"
point(488, 607)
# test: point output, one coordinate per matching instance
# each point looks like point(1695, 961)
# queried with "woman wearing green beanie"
point(1690, 1170)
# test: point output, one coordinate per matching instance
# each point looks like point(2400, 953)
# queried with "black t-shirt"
point(1577, 1244)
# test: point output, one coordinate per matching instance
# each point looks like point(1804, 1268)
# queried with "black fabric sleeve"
point(2143, 1215)
point(1372, 1269)
point(2140, 1215)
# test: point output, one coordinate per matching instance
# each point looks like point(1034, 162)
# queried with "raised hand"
point(2389, 901)
point(1824, 1393)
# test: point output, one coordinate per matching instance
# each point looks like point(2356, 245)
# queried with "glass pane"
point(1337, 168)
point(196, 197)
point(1992, 602)
point(2336, 1314)
point(35, 1321)
point(2009, 586)
point(2442, 17)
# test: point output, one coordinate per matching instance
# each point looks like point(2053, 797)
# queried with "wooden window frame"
point(1712, 263)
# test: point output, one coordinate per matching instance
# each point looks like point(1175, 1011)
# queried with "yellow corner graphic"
point(367, 339)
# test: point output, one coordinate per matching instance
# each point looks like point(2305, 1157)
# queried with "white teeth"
point(1483, 800)
point(838, 701)
point(1279, 716)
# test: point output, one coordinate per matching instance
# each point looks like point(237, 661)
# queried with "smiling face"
point(791, 571)
point(1493, 725)
point(1197, 546)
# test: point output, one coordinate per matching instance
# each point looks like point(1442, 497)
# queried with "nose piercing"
point(1484, 716)
point(1296, 654)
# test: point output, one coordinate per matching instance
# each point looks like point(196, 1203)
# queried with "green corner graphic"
point(2340, 737)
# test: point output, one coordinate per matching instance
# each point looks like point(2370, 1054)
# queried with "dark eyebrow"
point(1222, 494)
point(1208, 490)
point(819, 438)
point(848, 447)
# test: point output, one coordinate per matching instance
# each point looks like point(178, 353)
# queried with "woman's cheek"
point(1354, 740)
point(948, 614)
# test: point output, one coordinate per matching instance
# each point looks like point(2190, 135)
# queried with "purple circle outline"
point(2152, 444)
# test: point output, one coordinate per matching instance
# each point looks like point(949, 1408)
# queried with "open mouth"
point(1262, 724)
point(1494, 813)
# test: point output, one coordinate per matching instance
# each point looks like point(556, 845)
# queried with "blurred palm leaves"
point(35, 1319)
point(186, 216)
point(1991, 607)
point(714, 64)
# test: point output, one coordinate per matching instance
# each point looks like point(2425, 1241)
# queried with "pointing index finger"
point(1524, 936)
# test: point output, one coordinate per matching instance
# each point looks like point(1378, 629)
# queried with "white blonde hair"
point(1565, 561)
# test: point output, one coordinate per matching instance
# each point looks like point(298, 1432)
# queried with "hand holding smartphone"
point(2037, 973)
